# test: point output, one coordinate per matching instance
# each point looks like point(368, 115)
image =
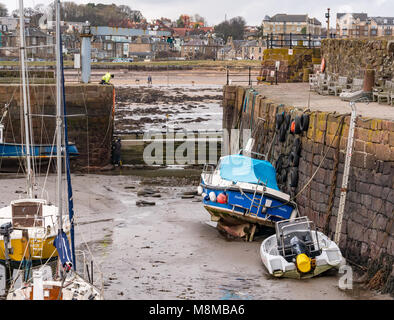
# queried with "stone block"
point(383, 152)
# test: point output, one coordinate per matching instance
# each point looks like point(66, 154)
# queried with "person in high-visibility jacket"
point(106, 78)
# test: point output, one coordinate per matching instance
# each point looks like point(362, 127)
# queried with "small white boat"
point(298, 250)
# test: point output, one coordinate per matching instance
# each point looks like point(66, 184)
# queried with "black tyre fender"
point(294, 159)
point(293, 177)
point(279, 164)
point(282, 133)
point(279, 120)
point(305, 122)
point(283, 177)
point(296, 148)
point(297, 128)
point(287, 120)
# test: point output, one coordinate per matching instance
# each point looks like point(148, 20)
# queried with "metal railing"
point(249, 76)
point(290, 40)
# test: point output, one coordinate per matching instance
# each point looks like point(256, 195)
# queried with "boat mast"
point(25, 108)
point(59, 121)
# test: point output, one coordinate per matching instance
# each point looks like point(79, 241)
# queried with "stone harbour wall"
point(293, 67)
point(89, 111)
point(315, 180)
point(350, 57)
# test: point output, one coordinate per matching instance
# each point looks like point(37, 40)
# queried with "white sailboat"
point(69, 285)
point(29, 225)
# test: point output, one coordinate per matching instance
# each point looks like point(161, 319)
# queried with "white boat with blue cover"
point(242, 189)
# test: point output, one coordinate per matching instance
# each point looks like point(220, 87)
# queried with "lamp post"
point(328, 22)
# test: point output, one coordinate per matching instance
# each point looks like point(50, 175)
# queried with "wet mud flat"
point(152, 239)
point(141, 108)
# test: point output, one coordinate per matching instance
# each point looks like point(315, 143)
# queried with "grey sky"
point(252, 10)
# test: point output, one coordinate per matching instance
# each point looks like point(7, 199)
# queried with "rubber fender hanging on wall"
point(293, 177)
point(282, 177)
point(279, 120)
point(305, 122)
point(279, 164)
point(296, 125)
point(294, 159)
point(296, 148)
point(287, 120)
point(282, 133)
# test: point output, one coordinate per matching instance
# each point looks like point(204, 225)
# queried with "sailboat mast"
point(25, 103)
point(59, 120)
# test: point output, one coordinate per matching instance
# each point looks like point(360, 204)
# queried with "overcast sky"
point(253, 11)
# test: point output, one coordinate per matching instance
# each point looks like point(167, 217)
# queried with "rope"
point(311, 178)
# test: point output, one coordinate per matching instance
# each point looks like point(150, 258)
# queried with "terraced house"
point(358, 25)
point(291, 23)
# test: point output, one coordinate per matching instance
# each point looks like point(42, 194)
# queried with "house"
point(291, 23)
point(381, 26)
point(351, 25)
point(11, 23)
point(253, 49)
point(197, 48)
point(232, 50)
point(144, 47)
point(358, 25)
point(40, 42)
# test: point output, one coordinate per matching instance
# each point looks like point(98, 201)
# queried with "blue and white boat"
point(242, 193)
point(42, 151)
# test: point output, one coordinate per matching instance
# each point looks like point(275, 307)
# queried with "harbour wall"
point(89, 117)
point(350, 57)
point(367, 239)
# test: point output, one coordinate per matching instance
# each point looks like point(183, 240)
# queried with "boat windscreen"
point(239, 168)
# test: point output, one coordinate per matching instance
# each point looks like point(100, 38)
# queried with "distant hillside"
point(101, 14)
point(96, 14)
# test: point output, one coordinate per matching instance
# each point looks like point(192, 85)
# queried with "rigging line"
point(49, 163)
point(14, 139)
point(88, 248)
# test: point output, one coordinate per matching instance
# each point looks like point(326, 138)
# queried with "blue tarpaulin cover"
point(63, 248)
point(239, 168)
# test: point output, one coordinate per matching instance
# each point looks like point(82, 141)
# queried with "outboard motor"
point(302, 260)
point(6, 230)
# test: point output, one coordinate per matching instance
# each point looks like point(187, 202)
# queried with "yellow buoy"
point(303, 263)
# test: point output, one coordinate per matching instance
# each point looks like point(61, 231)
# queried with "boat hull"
point(42, 151)
point(239, 206)
point(48, 252)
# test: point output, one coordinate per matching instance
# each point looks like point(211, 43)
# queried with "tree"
point(198, 18)
point(180, 23)
point(303, 30)
point(260, 31)
point(3, 10)
point(234, 27)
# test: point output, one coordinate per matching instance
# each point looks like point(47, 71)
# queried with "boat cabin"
point(27, 213)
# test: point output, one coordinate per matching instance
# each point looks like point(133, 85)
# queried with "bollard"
point(369, 81)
